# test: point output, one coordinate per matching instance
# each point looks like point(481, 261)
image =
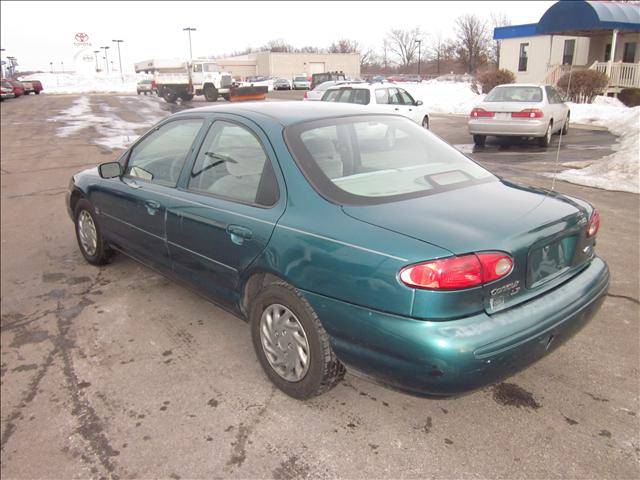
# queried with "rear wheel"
point(292, 346)
point(546, 140)
point(169, 95)
point(92, 245)
point(187, 97)
point(211, 93)
point(37, 92)
point(479, 140)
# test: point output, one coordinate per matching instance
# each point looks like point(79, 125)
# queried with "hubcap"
point(87, 233)
point(284, 342)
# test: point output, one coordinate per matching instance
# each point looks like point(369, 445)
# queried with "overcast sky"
point(37, 33)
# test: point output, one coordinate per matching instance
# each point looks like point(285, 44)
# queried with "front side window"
point(359, 96)
point(197, 67)
point(405, 97)
point(567, 55)
point(159, 157)
point(394, 97)
point(382, 96)
point(377, 159)
point(523, 59)
point(211, 67)
point(232, 164)
point(514, 94)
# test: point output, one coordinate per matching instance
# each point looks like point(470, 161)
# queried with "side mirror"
point(110, 170)
point(418, 103)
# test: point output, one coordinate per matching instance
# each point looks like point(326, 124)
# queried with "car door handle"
point(397, 109)
point(239, 234)
point(152, 206)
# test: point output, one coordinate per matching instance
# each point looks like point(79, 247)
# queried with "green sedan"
point(349, 240)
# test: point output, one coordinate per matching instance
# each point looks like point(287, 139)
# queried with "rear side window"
point(359, 96)
point(382, 96)
point(515, 94)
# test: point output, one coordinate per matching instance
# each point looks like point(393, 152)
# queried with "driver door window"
point(160, 156)
point(406, 98)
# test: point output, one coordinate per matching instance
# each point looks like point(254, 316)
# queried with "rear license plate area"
point(550, 260)
point(503, 116)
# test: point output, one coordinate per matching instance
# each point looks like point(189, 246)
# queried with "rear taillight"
point(594, 223)
point(528, 113)
point(456, 273)
point(481, 112)
point(306, 95)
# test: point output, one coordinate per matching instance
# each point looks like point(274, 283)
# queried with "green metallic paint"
point(345, 260)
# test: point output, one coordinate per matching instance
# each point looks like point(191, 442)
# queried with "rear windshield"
point(515, 94)
point(359, 96)
point(370, 159)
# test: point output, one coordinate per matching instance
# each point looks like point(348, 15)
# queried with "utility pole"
point(106, 58)
point(189, 29)
point(119, 58)
point(1, 64)
point(95, 54)
point(51, 65)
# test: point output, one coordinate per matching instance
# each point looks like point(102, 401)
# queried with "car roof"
point(521, 85)
point(284, 113)
point(365, 85)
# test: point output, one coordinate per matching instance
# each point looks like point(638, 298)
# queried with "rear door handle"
point(239, 234)
point(152, 206)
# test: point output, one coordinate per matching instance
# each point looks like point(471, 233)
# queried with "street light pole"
point(62, 66)
point(95, 54)
point(419, 45)
point(51, 65)
point(119, 58)
point(189, 29)
point(1, 64)
point(106, 58)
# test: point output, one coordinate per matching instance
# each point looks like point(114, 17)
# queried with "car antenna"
point(557, 162)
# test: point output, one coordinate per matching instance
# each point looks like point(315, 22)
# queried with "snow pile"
point(444, 97)
point(113, 131)
point(621, 170)
point(78, 83)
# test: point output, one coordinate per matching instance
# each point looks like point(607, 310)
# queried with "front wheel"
point(92, 245)
point(565, 127)
point(169, 95)
point(291, 344)
point(425, 122)
point(211, 93)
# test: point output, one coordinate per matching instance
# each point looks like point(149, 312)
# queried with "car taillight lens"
point(481, 112)
point(528, 113)
point(594, 223)
point(456, 273)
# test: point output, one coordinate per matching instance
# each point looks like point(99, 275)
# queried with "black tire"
point(37, 93)
point(186, 97)
point(227, 97)
point(546, 139)
point(479, 140)
point(139, 92)
point(425, 122)
point(169, 95)
point(211, 93)
point(102, 252)
point(565, 127)
point(325, 370)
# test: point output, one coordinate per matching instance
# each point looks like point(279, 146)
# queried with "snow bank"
point(619, 171)
point(444, 97)
point(78, 83)
point(113, 131)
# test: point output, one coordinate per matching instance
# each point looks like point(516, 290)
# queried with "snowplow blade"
point(242, 94)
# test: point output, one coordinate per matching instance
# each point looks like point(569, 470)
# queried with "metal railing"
point(621, 75)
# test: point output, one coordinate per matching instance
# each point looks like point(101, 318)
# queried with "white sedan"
point(520, 110)
point(384, 96)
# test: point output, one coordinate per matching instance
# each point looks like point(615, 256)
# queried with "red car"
point(30, 86)
point(18, 88)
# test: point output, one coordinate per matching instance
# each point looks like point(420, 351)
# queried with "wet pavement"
point(116, 372)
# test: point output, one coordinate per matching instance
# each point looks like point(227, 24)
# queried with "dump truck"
point(175, 79)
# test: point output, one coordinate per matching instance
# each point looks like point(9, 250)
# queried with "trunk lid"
point(544, 232)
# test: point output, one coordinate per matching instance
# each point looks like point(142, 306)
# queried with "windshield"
point(300, 79)
point(377, 159)
point(515, 94)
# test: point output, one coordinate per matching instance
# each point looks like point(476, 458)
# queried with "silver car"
point(316, 93)
point(520, 110)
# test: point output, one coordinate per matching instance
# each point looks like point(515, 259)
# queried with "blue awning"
point(570, 17)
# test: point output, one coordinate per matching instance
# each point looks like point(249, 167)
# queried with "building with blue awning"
point(575, 34)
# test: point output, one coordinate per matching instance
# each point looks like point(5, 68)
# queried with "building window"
point(629, 55)
point(567, 55)
point(522, 62)
point(607, 52)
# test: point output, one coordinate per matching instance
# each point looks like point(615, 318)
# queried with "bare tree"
point(278, 45)
point(442, 49)
point(344, 45)
point(472, 41)
point(367, 57)
point(309, 49)
point(403, 43)
point(498, 19)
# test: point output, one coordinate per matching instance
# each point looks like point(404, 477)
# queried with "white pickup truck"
point(183, 79)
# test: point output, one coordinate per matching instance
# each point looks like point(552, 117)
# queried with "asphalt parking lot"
point(115, 372)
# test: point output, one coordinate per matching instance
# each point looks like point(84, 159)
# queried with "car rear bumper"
point(451, 357)
point(510, 127)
